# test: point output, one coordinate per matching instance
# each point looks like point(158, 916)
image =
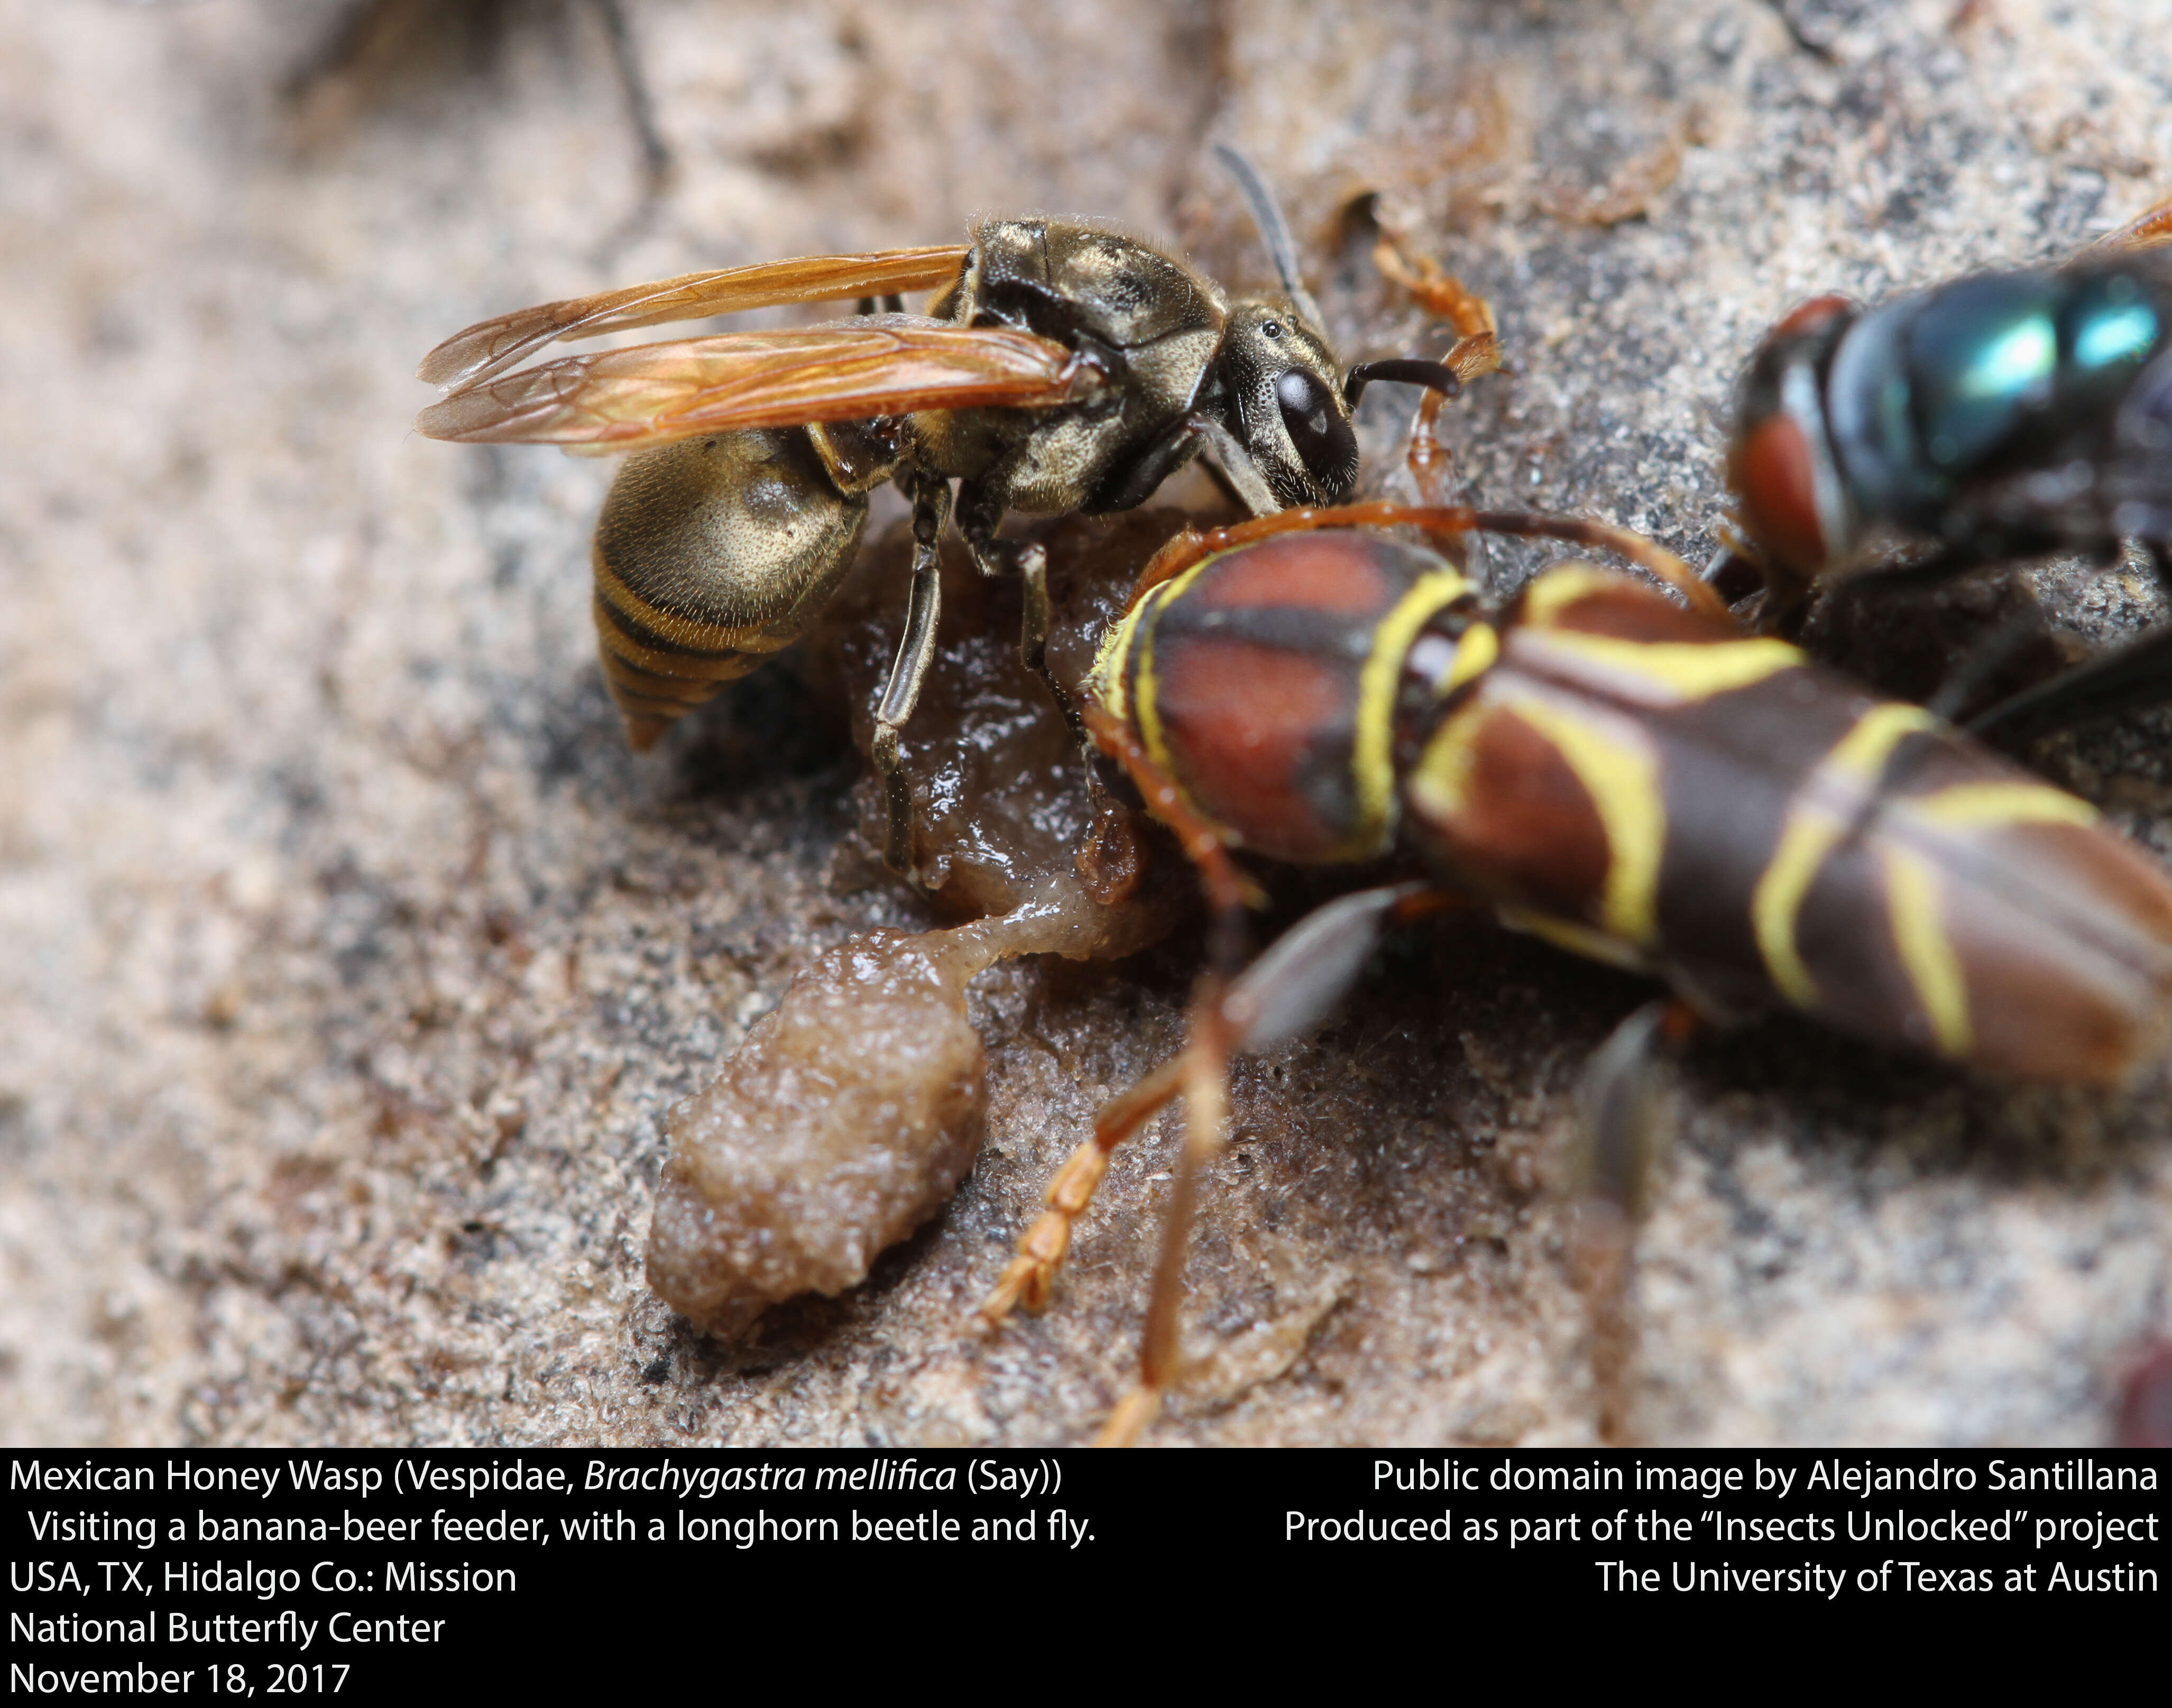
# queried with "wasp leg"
point(1239, 468)
point(1620, 1130)
point(916, 648)
point(979, 514)
point(1132, 483)
point(1033, 640)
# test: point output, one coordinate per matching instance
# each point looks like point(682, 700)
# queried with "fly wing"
point(850, 370)
point(490, 346)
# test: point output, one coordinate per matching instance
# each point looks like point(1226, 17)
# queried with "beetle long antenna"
point(1274, 230)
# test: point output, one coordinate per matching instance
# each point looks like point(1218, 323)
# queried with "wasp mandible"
point(1061, 367)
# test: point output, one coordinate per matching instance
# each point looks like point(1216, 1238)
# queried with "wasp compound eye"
point(1322, 437)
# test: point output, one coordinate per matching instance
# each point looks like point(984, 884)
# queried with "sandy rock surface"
point(352, 964)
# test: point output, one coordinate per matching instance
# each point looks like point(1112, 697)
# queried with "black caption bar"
point(240, 1574)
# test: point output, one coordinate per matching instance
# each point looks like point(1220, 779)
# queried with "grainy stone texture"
point(352, 964)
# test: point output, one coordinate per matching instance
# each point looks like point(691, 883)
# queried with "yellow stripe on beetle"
point(1106, 679)
point(1143, 708)
point(1850, 771)
point(2004, 803)
point(1618, 773)
point(1560, 587)
point(1123, 682)
point(1373, 769)
point(1622, 775)
point(1926, 951)
point(1475, 654)
point(1661, 672)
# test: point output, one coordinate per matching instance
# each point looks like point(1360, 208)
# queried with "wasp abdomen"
point(711, 554)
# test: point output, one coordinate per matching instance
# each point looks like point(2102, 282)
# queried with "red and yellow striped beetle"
point(1637, 781)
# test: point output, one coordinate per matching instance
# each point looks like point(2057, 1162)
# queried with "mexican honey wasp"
point(1636, 781)
point(1998, 417)
point(1061, 367)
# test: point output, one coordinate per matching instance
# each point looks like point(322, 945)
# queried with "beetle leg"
point(1042, 1248)
point(1288, 991)
point(1228, 889)
point(1620, 1130)
point(1440, 294)
point(1206, 1080)
point(915, 649)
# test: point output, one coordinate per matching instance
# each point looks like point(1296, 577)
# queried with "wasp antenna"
point(1434, 376)
point(1274, 230)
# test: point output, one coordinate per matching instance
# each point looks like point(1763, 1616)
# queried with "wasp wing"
point(490, 346)
point(850, 370)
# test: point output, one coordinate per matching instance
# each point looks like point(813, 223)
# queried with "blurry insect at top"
point(2002, 414)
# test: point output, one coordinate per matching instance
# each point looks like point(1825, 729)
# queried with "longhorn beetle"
point(1636, 781)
